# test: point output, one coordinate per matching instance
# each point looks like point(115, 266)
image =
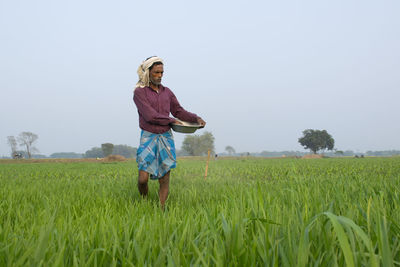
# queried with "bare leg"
point(164, 188)
point(142, 183)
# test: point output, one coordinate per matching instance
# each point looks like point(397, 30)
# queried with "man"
point(156, 153)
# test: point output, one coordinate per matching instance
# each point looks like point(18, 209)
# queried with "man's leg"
point(164, 188)
point(142, 183)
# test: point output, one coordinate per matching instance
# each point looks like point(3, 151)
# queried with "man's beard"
point(155, 82)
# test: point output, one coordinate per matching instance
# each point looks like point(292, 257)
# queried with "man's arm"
point(148, 112)
point(179, 112)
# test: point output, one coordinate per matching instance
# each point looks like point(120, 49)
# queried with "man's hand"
point(201, 122)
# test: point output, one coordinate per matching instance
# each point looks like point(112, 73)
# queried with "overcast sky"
point(259, 72)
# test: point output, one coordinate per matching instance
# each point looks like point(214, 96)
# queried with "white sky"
point(259, 72)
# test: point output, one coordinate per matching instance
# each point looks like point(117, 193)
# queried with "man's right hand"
point(201, 122)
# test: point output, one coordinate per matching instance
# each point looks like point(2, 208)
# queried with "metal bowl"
point(187, 127)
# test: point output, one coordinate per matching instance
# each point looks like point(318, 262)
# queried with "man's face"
point(156, 74)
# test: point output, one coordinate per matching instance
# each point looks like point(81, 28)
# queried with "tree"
point(230, 150)
point(27, 139)
point(198, 145)
point(107, 149)
point(316, 140)
point(339, 152)
point(66, 155)
point(123, 150)
point(13, 144)
point(95, 152)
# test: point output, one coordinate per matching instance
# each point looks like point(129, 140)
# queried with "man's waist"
point(157, 129)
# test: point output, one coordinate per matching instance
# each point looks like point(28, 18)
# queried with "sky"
point(258, 72)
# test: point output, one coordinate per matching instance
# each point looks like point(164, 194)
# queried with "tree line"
point(193, 145)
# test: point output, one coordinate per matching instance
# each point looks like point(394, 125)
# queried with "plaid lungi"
point(156, 153)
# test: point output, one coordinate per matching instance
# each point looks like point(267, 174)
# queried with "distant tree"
point(66, 155)
point(13, 145)
point(207, 142)
point(125, 150)
point(348, 153)
point(27, 139)
point(384, 153)
point(107, 149)
point(281, 154)
point(198, 145)
point(39, 156)
point(339, 152)
point(230, 150)
point(316, 140)
point(95, 152)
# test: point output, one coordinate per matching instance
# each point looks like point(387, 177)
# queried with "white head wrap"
point(143, 71)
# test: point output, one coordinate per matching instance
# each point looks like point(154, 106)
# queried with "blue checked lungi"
point(156, 153)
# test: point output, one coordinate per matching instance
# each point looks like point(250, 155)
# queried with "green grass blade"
point(343, 240)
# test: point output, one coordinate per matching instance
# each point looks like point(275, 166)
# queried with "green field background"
point(248, 212)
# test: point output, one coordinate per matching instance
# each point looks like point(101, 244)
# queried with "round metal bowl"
point(187, 127)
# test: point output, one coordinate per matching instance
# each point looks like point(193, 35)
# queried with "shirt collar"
point(160, 88)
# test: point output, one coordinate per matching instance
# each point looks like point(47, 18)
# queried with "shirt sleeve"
point(179, 112)
point(145, 110)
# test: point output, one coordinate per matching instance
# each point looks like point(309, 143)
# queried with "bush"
point(113, 158)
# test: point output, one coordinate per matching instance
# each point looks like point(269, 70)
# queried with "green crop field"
point(248, 212)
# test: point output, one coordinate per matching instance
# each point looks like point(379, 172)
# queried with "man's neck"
point(154, 87)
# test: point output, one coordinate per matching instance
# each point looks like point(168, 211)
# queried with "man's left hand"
point(201, 122)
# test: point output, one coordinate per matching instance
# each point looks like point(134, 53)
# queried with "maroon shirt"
point(154, 109)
